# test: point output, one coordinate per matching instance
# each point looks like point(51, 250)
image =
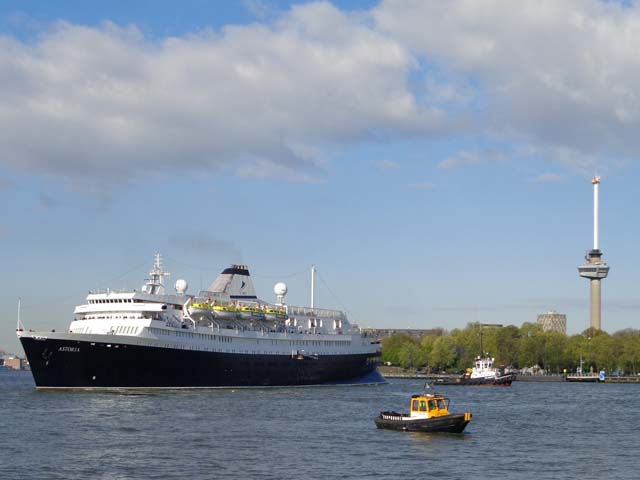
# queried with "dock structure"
point(627, 379)
point(594, 267)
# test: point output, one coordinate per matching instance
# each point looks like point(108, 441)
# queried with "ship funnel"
point(236, 282)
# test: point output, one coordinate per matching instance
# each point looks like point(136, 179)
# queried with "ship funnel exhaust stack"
point(236, 282)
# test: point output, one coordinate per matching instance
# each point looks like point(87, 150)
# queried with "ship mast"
point(19, 326)
point(482, 353)
point(313, 277)
point(154, 285)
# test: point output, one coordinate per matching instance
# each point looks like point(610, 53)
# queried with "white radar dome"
point(181, 285)
point(280, 289)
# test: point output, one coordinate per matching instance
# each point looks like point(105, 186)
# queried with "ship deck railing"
point(315, 312)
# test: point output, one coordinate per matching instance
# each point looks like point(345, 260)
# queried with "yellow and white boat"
point(275, 314)
point(251, 313)
point(429, 412)
point(198, 311)
point(225, 312)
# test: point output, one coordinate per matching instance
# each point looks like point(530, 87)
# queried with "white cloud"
point(107, 101)
point(459, 160)
point(386, 165)
point(471, 158)
point(556, 74)
point(259, 8)
point(583, 163)
point(550, 178)
point(262, 168)
point(558, 78)
point(450, 93)
point(421, 186)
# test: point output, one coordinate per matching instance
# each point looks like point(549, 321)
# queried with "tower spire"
point(596, 183)
point(594, 268)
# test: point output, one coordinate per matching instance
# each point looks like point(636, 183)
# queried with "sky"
point(432, 159)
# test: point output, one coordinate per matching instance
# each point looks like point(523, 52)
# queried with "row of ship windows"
point(221, 350)
point(220, 338)
point(294, 353)
point(117, 300)
point(110, 317)
point(316, 343)
point(123, 330)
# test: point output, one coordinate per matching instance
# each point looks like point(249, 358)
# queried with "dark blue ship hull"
point(80, 364)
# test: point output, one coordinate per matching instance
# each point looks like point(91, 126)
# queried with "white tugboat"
point(154, 339)
point(482, 373)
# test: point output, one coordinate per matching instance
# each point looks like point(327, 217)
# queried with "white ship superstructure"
point(226, 335)
point(483, 369)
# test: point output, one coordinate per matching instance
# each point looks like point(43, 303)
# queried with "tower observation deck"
point(594, 268)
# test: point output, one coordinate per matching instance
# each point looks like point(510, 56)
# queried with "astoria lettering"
point(69, 349)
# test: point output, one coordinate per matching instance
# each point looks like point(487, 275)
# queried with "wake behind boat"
point(224, 336)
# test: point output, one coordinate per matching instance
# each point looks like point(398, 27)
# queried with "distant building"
point(14, 363)
point(553, 321)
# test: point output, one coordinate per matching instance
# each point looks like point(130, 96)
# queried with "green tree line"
point(522, 347)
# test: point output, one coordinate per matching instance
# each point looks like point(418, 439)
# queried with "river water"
point(526, 431)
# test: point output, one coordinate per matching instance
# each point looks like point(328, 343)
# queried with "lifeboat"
point(428, 413)
point(251, 313)
point(274, 314)
point(199, 311)
point(225, 312)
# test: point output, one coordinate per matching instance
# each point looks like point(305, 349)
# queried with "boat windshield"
point(422, 404)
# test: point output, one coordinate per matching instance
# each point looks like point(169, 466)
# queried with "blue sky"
point(429, 158)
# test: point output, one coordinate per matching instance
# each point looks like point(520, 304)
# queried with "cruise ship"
point(224, 336)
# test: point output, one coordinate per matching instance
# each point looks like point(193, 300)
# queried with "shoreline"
point(396, 372)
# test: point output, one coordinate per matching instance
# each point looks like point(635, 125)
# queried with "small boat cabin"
point(429, 406)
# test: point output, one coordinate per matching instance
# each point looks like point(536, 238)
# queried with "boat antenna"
point(499, 325)
point(154, 285)
point(313, 277)
point(19, 326)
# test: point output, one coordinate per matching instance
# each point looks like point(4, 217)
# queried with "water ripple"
point(531, 430)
